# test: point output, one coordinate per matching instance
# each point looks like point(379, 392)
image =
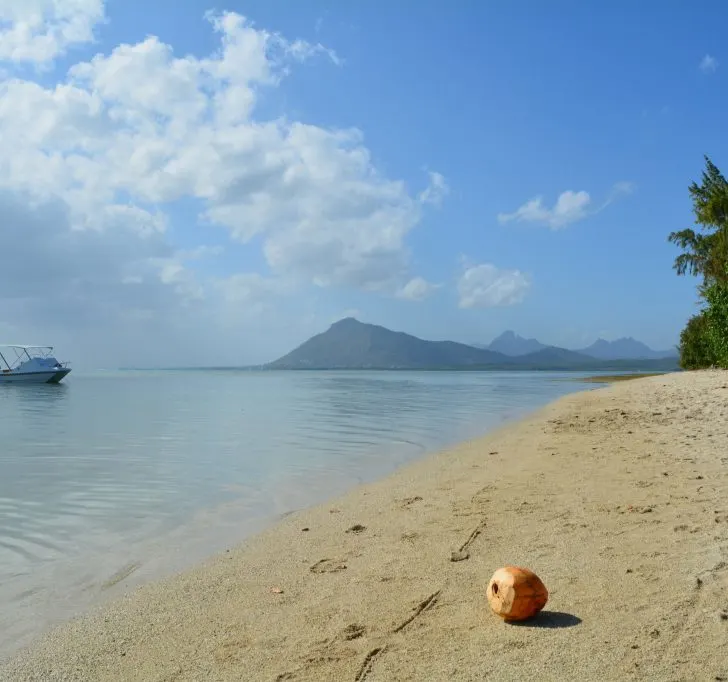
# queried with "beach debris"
point(305, 530)
point(276, 590)
point(122, 574)
point(366, 666)
point(516, 593)
point(424, 605)
point(459, 555)
point(462, 553)
point(356, 528)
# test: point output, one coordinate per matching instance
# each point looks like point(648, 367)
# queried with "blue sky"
point(492, 104)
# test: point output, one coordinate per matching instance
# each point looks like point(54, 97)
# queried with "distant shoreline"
point(631, 368)
point(621, 377)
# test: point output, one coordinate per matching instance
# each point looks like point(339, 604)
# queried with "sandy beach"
point(617, 498)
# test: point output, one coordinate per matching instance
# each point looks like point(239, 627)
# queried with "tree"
point(704, 341)
point(706, 254)
point(695, 349)
point(716, 330)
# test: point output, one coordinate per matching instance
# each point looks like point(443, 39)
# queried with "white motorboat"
point(31, 364)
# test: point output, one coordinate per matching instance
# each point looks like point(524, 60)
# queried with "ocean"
point(114, 478)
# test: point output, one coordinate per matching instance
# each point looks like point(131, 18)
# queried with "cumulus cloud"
point(38, 31)
point(104, 158)
point(487, 286)
point(708, 64)
point(417, 289)
point(570, 207)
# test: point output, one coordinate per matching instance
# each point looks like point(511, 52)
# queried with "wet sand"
point(617, 498)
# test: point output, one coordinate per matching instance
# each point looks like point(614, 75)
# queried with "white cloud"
point(349, 312)
point(487, 286)
point(158, 128)
point(708, 64)
point(38, 31)
point(436, 191)
point(102, 160)
point(417, 289)
point(570, 207)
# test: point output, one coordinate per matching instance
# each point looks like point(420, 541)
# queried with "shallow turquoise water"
point(146, 472)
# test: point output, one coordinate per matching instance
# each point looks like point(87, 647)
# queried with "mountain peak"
point(510, 343)
point(346, 322)
point(624, 348)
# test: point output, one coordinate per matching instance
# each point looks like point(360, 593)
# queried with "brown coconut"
point(516, 593)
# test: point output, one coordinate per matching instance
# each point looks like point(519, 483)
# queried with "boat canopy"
point(25, 346)
point(22, 354)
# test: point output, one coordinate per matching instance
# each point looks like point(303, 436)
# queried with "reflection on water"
point(119, 467)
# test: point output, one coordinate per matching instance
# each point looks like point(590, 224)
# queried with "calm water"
point(115, 477)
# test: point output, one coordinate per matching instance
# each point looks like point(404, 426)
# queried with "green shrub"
point(695, 345)
point(716, 328)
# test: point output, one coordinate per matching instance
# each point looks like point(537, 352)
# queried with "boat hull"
point(41, 377)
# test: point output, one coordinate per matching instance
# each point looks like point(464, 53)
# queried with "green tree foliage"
point(705, 253)
point(716, 313)
point(704, 341)
point(695, 351)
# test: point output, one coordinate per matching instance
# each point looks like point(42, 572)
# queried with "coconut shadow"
point(548, 619)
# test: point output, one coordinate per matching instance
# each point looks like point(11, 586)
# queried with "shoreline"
point(52, 593)
point(577, 491)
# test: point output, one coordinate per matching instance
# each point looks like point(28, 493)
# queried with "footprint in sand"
point(407, 502)
point(328, 566)
point(353, 631)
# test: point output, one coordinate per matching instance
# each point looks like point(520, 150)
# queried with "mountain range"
point(350, 344)
point(510, 343)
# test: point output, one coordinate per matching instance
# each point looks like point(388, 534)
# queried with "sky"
point(198, 184)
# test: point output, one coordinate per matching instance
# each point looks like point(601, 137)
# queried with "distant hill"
point(510, 343)
point(350, 344)
point(625, 348)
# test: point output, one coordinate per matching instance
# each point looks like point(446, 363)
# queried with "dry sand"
point(617, 498)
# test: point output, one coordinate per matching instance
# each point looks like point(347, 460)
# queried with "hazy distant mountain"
point(510, 343)
point(350, 344)
point(625, 348)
